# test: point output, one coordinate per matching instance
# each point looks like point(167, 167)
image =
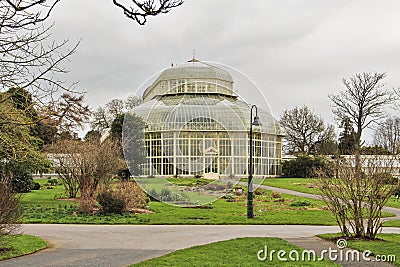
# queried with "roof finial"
point(194, 57)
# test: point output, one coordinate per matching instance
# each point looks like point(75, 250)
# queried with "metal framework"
point(197, 125)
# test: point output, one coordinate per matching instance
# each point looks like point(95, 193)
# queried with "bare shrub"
point(84, 166)
point(275, 195)
point(132, 194)
point(86, 204)
point(357, 195)
point(10, 211)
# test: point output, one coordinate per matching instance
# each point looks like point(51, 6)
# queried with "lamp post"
point(256, 122)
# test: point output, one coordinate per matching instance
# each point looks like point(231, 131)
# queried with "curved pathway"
point(122, 245)
point(395, 211)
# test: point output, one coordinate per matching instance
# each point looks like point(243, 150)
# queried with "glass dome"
point(197, 126)
point(191, 78)
point(201, 112)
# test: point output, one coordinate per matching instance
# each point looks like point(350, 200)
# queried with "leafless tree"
point(362, 102)
point(115, 107)
point(101, 120)
point(83, 166)
point(387, 135)
point(132, 101)
point(357, 201)
point(305, 130)
point(22, 13)
point(360, 183)
point(139, 10)
point(31, 61)
point(103, 117)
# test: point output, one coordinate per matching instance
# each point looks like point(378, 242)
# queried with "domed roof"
point(191, 77)
point(195, 69)
point(201, 112)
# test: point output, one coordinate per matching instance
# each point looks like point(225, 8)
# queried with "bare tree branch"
point(139, 10)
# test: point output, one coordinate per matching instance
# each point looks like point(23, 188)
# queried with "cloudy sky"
point(296, 51)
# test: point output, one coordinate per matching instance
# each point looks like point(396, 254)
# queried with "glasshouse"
point(197, 125)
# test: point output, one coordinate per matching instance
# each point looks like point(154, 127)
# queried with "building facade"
point(197, 125)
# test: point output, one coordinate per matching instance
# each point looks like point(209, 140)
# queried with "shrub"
point(21, 180)
point(52, 182)
point(391, 180)
point(260, 191)
point(304, 203)
point(214, 187)
point(306, 166)
point(132, 194)
point(35, 186)
point(111, 202)
point(275, 195)
point(239, 191)
point(10, 210)
point(86, 204)
point(166, 195)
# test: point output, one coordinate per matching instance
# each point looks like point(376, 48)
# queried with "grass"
point(12, 246)
point(41, 207)
point(308, 185)
point(387, 245)
point(189, 181)
point(235, 252)
point(394, 223)
point(304, 185)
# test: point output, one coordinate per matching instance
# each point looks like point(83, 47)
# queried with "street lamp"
point(256, 122)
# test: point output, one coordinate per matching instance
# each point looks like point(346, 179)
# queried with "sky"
point(295, 51)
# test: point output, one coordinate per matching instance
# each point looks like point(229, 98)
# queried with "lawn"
point(309, 185)
point(236, 252)
point(305, 185)
point(17, 245)
point(387, 246)
point(41, 207)
point(394, 223)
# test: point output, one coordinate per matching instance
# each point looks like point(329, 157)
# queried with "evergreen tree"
point(347, 138)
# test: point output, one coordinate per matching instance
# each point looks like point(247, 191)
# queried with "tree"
point(30, 65)
point(69, 112)
point(115, 107)
point(132, 101)
point(387, 135)
point(347, 138)
point(139, 10)
point(362, 103)
point(358, 193)
point(22, 13)
point(374, 150)
point(358, 208)
point(133, 142)
point(103, 117)
point(17, 143)
point(93, 136)
point(305, 167)
point(101, 120)
point(84, 165)
point(305, 130)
